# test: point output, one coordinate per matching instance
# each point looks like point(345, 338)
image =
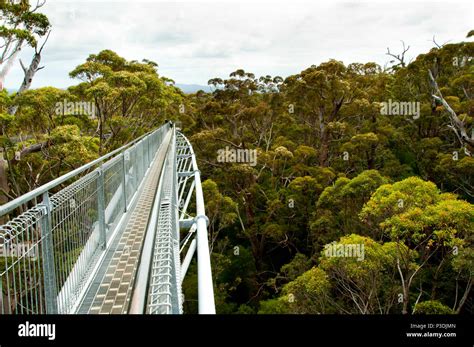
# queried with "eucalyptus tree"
point(22, 25)
point(433, 232)
point(129, 96)
point(318, 94)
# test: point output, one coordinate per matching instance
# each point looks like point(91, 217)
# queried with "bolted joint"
point(202, 216)
point(43, 209)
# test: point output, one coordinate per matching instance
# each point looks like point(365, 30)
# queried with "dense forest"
point(356, 154)
point(333, 168)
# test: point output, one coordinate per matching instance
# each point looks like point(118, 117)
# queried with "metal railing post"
point(124, 183)
point(144, 164)
point(101, 208)
point(140, 160)
point(148, 150)
point(50, 289)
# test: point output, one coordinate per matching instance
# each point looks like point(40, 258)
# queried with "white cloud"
point(194, 41)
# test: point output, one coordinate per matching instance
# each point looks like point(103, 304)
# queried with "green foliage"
point(307, 293)
point(339, 204)
point(56, 131)
point(365, 279)
point(274, 306)
point(130, 97)
point(392, 199)
point(220, 209)
point(21, 23)
point(432, 307)
point(296, 267)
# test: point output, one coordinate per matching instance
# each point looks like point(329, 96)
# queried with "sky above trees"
point(195, 41)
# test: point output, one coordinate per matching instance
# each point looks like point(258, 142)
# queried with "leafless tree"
point(457, 125)
point(400, 57)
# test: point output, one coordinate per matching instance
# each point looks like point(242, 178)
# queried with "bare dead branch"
point(400, 57)
point(458, 125)
point(44, 43)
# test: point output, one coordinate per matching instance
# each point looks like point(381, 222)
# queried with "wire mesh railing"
point(48, 252)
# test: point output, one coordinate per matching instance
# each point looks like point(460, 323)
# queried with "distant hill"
point(192, 88)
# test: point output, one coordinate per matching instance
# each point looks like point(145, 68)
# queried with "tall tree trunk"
point(465, 296)
point(29, 74)
point(324, 149)
point(9, 63)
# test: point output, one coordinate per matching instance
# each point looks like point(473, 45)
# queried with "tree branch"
point(457, 124)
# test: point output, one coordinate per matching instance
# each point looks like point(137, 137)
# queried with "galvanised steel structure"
point(189, 180)
point(56, 237)
point(180, 182)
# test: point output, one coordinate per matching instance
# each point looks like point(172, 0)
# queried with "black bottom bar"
point(175, 331)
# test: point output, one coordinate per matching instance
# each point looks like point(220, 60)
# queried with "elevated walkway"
point(110, 241)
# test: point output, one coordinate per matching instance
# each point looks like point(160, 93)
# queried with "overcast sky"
point(195, 41)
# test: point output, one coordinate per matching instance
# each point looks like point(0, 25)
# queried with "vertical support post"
point(4, 305)
point(101, 208)
point(124, 183)
point(148, 138)
point(50, 289)
point(141, 160)
point(188, 258)
point(144, 164)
